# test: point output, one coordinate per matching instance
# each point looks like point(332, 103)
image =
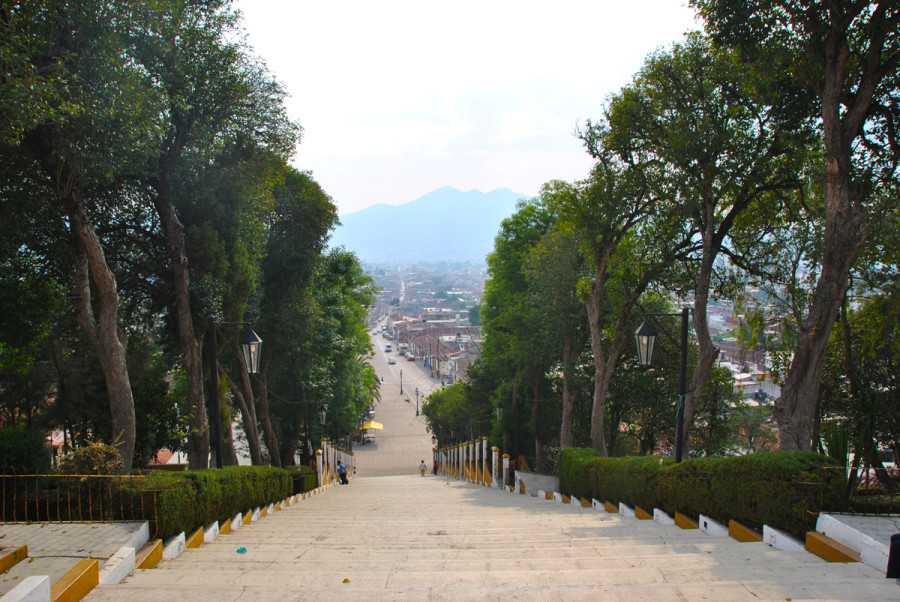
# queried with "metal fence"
point(31, 498)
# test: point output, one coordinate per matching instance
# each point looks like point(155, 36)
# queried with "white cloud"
point(399, 98)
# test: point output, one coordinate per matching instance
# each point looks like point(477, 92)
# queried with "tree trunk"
point(229, 453)
point(268, 431)
point(107, 339)
point(571, 352)
point(708, 352)
point(248, 415)
point(198, 438)
point(795, 410)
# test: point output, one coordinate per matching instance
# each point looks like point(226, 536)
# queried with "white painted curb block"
point(838, 531)
point(270, 508)
point(174, 547)
point(119, 566)
point(255, 516)
point(712, 527)
point(598, 505)
point(238, 521)
point(32, 589)
point(575, 500)
point(211, 533)
point(781, 540)
point(139, 537)
point(875, 554)
point(662, 518)
point(625, 510)
point(557, 497)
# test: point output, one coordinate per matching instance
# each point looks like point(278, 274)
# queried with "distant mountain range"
point(444, 225)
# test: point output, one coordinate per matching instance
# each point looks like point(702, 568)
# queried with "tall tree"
point(87, 128)
point(835, 63)
point(219, 92)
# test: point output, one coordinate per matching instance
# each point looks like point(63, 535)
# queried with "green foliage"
point(303, 479)
point(785, 490)
point(96, 458)
point(187, 500)
point(23, 450)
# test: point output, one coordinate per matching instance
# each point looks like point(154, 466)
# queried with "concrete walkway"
point(408, 537)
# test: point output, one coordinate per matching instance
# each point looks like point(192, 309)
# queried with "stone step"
point(397, 538)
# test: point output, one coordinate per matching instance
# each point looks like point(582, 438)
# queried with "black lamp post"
point(323, 412)
point(250, 348)
point(417, 401)
point(401, 381)
point(645, 336)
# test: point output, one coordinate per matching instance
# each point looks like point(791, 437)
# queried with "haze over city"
point(399, 99)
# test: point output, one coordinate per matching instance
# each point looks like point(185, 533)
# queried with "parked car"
point(392, 360)
point(410, 358)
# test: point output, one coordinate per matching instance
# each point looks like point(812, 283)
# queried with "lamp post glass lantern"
point(645, 337)
point(251, 346)
point(323, 411)
point(499, 410)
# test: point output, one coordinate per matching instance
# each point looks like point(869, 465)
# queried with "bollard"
point(893, 565)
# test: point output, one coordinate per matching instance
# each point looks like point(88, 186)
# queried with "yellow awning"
point(373, 425)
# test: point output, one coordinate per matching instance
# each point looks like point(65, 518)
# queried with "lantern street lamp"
point(250, 349)
point(499, 410)
point(323, 411)
point(645, 336)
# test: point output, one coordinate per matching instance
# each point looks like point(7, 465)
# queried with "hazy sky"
point(397, 99)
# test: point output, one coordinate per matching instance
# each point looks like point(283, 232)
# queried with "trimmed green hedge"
point(785, 490)
point(183, 501)
point(304, 479)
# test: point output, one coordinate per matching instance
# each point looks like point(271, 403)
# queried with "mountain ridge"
point(446, 224)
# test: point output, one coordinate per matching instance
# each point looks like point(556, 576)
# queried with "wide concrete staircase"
point(396, 538)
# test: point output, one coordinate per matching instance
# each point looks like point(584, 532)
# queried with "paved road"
point(405, 440)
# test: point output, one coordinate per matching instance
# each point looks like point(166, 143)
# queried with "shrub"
point(303, 478)
point(183, 501)
point(23, 450)
point(785, 490)
point(96, 458)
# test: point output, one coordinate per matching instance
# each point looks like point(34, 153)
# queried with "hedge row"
point(187, 500)
point(785, 490)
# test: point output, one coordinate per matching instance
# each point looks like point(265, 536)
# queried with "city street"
point(405, 441)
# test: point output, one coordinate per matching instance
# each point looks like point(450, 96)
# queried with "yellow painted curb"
point(11, 559)
point(225, 527)
point(611, 508)
point(585, 503)
point(742, 533)
point(548, 495)
point(685, 522)
point(150, 555)
point(248, 516)
point(828, 549)
point(77, 583)
point(565, 499)
point(264, 511)
point(642, 514)
point(194, 539)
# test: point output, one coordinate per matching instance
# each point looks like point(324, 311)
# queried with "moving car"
point(410, 358)
point(392, 360)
